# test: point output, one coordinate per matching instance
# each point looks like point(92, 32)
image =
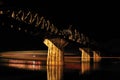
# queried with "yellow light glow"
point(1, 12)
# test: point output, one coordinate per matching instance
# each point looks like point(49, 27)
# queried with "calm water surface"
point(21, 69)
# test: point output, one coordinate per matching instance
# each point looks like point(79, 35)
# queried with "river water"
point(20, 69)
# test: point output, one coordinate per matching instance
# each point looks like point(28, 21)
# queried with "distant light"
point(19, 28)
point(25, 30)
point(11, 26)
point(1, 12)
point(34, 56)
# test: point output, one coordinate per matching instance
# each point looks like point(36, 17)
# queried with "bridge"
point(55, 39)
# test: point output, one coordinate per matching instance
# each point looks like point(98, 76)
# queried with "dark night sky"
point(96, 19)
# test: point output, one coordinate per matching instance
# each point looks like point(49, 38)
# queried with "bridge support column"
point(55, 54)
point(96, 56)
point(85, 57)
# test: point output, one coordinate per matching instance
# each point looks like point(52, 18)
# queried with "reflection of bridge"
point(53, 72)
point(55, 39)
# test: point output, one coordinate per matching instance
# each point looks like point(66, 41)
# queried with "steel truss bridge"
point(55, 39)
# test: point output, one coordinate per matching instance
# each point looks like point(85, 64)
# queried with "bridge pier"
point(96, 56)
point(55, 51)
point(86, 55)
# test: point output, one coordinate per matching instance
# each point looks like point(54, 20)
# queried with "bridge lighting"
point(39, 21)
point(55, 45)
point(48, 25)
point(78, 40)
point(13, 14)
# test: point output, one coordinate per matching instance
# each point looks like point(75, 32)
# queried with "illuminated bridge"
point(54, 38)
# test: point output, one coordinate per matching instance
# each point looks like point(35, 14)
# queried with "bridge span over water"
point(54, 38)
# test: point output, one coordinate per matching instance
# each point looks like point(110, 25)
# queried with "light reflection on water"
point(53, 72)
point(24, 64)
point(36, 61)
point(40, 65)
point(33, 67)
point(69, 71)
